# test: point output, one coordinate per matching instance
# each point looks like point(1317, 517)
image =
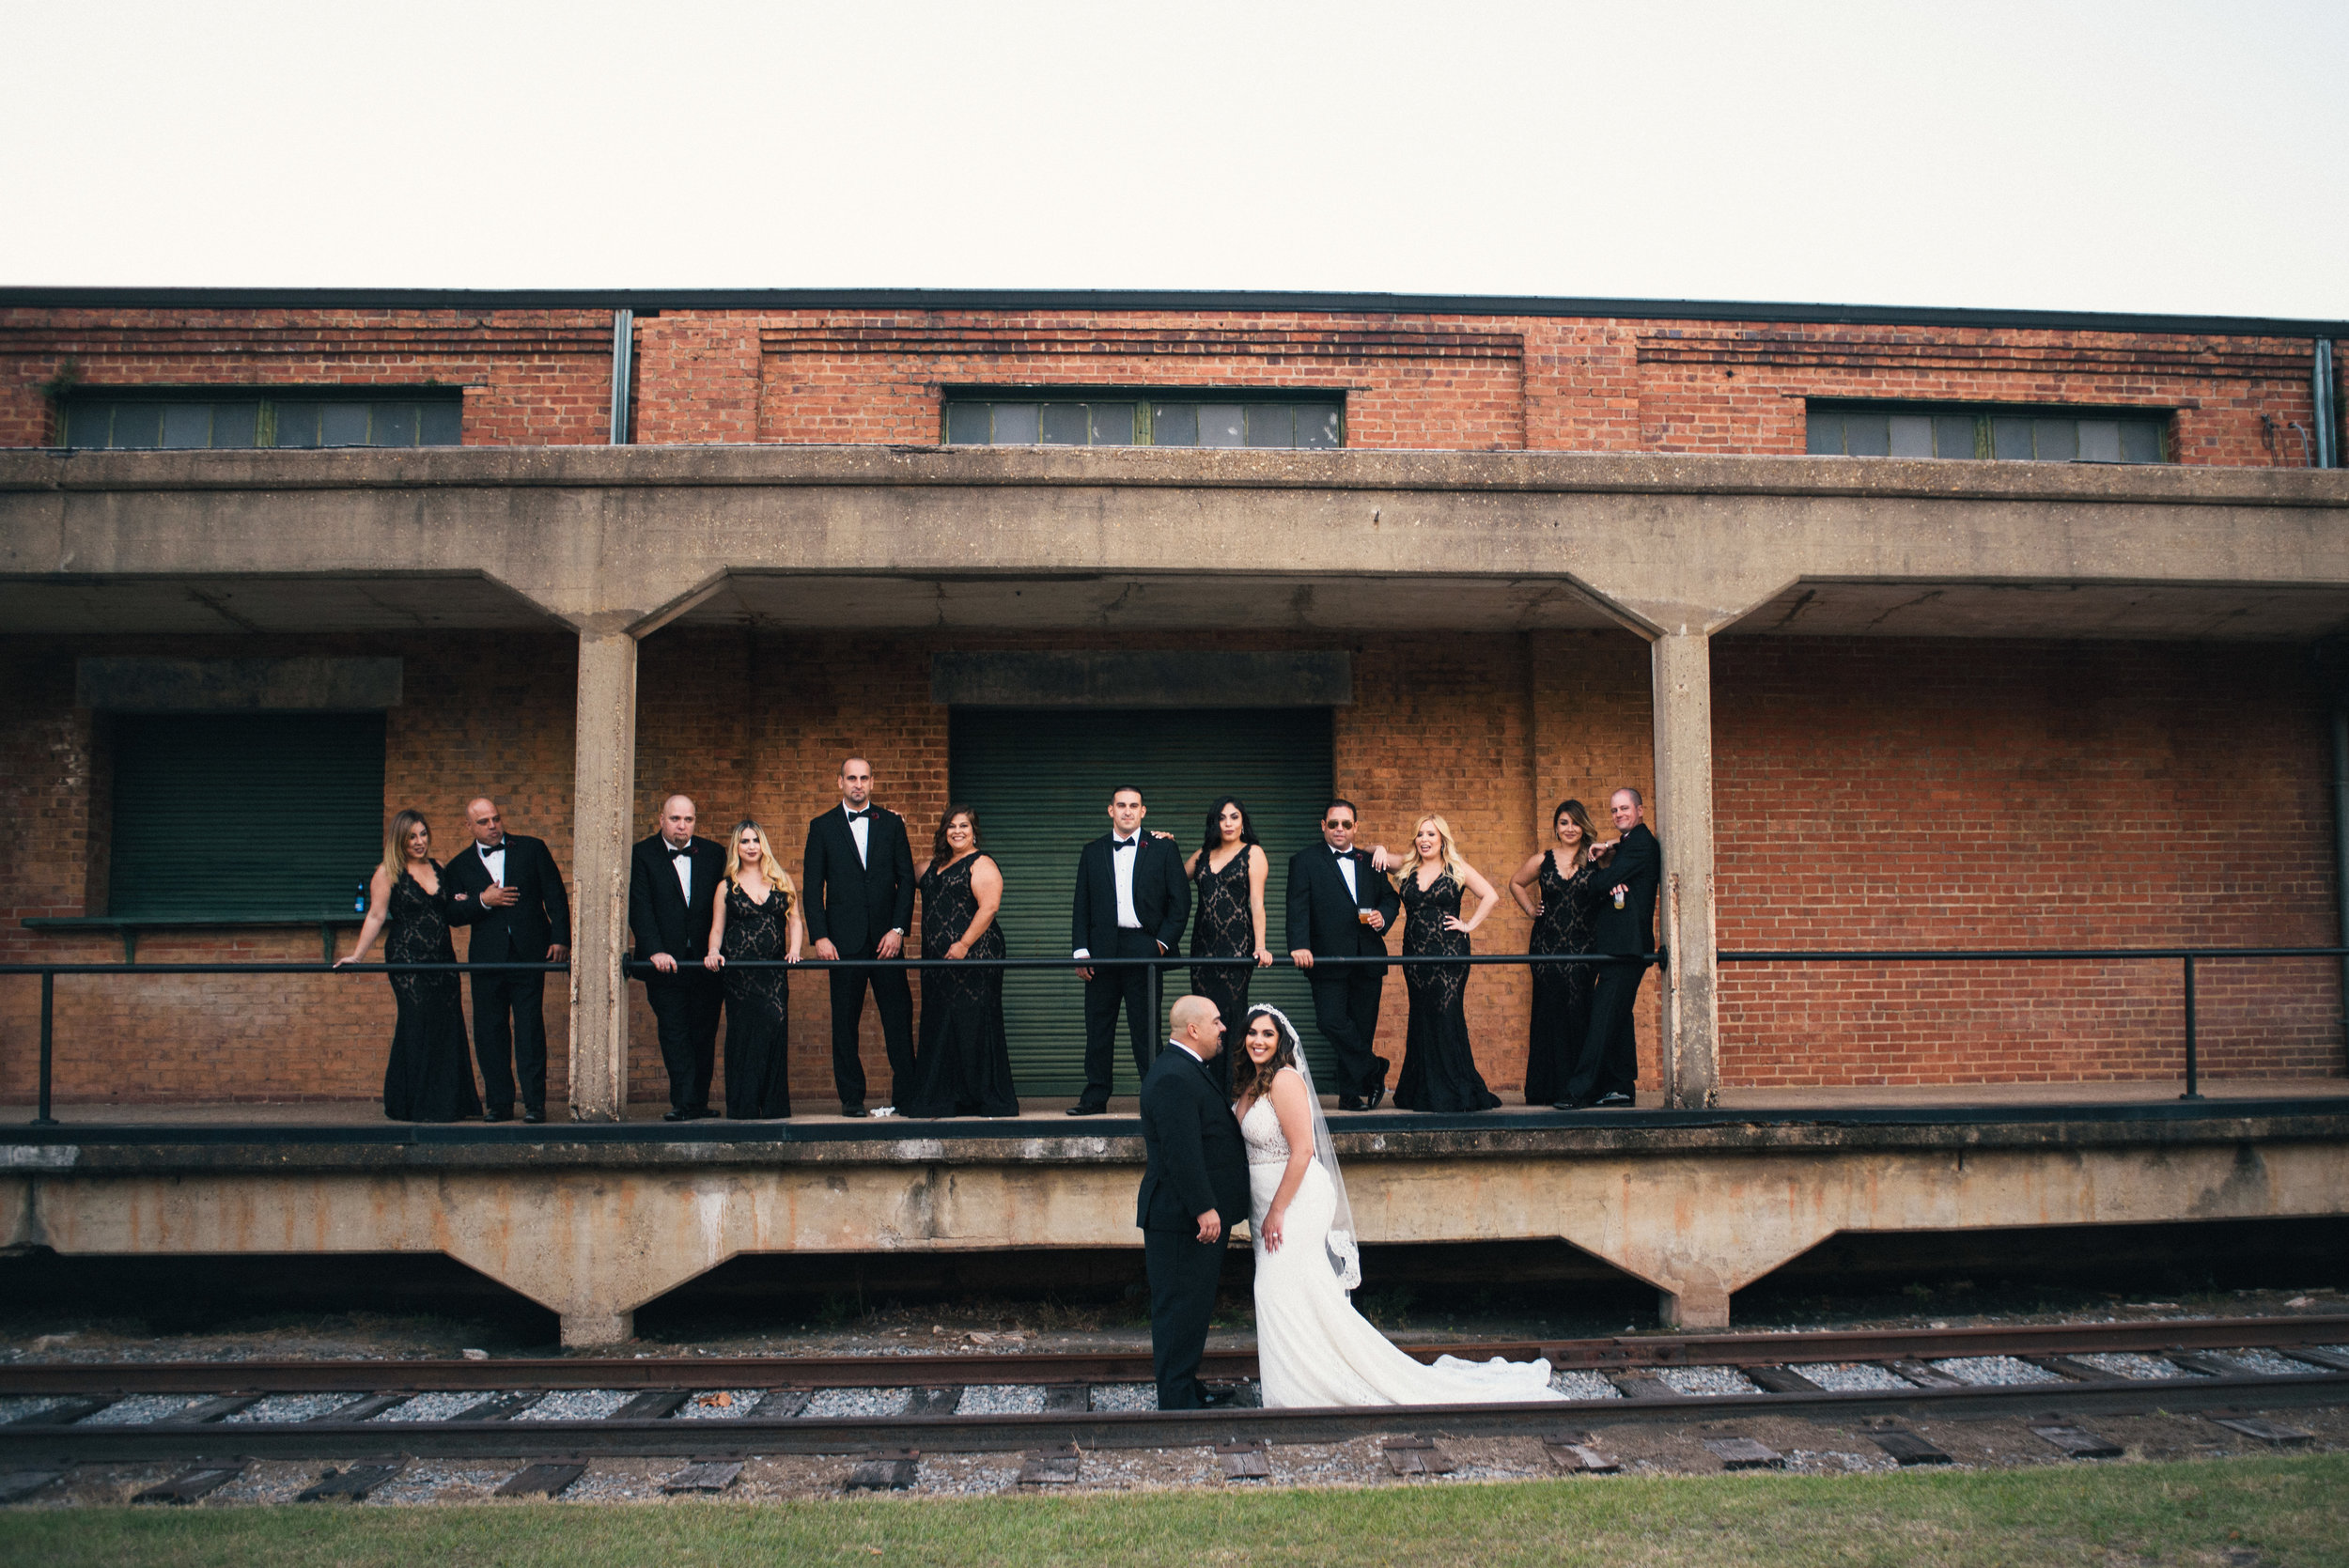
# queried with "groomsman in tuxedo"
point(1132, 902)
point(1607, 1070)
point(1340, 907)
point(857, 884)
point(530, 922)
point(672, 882)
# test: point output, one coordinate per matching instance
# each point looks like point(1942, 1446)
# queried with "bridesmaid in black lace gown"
point(1554, 887)
point(1228, 875)
point(429, 1077)
point(1438, 1069)
point(756, 915)
point(963, 1065)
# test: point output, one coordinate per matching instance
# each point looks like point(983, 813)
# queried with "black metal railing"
point(638, 969)
point(2187, 957)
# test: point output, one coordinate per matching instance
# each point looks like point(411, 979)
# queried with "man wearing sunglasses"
point(1339, 907)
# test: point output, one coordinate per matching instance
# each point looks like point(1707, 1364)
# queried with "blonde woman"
point(1438, 1069)
point(756, 915)
point(429, 1077)
point(1556, 886)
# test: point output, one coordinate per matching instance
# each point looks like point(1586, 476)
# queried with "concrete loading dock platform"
point(597, 1220)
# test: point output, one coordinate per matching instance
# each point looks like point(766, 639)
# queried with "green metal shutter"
point(1041, 781)
point(248, 815)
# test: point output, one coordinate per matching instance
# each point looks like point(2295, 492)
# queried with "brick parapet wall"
point(1422, 381)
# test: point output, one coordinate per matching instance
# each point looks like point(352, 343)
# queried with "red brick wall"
point(1869, 792)
point(530, 377)
point(1919, 794)
point(1433, 382)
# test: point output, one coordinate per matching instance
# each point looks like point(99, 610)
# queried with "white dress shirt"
point(861, 830)
point(683, 864)
point(1345, 869)
point(495, 860)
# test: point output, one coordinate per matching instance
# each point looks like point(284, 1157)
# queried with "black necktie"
point(675, 851)
point(1121, 844)
point(860, 816)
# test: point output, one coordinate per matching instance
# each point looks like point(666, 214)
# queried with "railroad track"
point(87, 1413)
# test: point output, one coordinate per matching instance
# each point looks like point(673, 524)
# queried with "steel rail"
point(800, 1435)
point(960, 1369)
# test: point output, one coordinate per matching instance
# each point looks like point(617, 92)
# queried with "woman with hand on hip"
point(756, 914)
point(1554, 886)
point(1227, 876)
point(962, 1066)
point(1439, 1068)
point(429, 1077)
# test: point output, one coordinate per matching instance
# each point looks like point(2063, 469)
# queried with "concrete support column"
point(602, 804)
point(1683, 680)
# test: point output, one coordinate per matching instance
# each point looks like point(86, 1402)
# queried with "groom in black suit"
point(1195, 1189)
point(529, 922)
point(1340, 907)
point(672, 882)
point(1132, 902)
point(856, 887)
point(1607, 1070)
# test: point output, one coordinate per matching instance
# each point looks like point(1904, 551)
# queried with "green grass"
point(2280, 1511)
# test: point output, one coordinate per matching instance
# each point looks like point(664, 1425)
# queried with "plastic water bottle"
point(359, 903)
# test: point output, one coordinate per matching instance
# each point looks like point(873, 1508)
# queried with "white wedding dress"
point(1312, 1348)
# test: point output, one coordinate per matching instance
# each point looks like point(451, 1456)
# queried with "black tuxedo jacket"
point(1195, 1160)
point(1638, 863)
point(854, 903)
point(658, 915)
point(521, 932)
point(1162, 895)
point(1321, 914)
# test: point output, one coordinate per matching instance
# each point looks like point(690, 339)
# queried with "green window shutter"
point(1041, 781)
point(247, 814)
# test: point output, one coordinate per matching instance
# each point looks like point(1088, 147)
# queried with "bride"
point(1312, 1348)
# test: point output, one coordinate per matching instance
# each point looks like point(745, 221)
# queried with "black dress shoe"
point(1568, 1105)
point(703, 1113)
point(1613, 1102)
point(496, 1115)
point(1349, 1102)
point(534, 1117)
point(854, 1110)
point(1081, 1109)
point(1215, 1399)
point(1375, 1096)
point(676, 1115)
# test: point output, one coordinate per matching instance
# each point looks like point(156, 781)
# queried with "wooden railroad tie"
point(704, 1475)
point(365, 1408)
point(352, 1484)
point(1924, 1376)
point(1642, 1385)
point(501, 1407)
point(2076, 1441)
point(1416, 1456)
point(1055, 1467)
point(1744, 1453)
point(651, 1405)
point(205, 1411)
point(1906, 1447)
point(887, 1470)
point(1782, 1380)
point(208, 1476)
point(933, 1402)
point(1579, 1454)
point(781, 1403)
point(65, 1412)
point(1248, 1461)
point(15, 1485)
point(1068, 1399)
point(546, 1479)
point(2262, 1429)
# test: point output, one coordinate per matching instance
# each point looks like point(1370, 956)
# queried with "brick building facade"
point(1870, 791)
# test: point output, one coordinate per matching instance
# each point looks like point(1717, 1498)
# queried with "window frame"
point(267, 400)
point(1141, 398)
point(1986, 415)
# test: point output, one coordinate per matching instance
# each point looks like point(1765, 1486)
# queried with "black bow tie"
point(860, 816)
point(1123, 844)
point(1342, 854)
point(497, 849)
point(675, 851)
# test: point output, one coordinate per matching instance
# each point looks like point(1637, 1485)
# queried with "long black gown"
point(1225, 927)
point(429, 1077)
point(1438, 1069)
point(758, 1007)
point(1561, 992)
point(963, 1067)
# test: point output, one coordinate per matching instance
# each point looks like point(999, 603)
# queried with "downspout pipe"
point(623, 357)
point(2326, 418)
point(2341, 843)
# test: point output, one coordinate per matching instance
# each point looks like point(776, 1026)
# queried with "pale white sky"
point(2103, 156)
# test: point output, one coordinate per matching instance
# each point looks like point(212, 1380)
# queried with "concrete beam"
point(602, 807)
point(597, 535)
point(1682, 673)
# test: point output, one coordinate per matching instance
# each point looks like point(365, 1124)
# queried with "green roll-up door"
point(274, 816)
point(1041, 781)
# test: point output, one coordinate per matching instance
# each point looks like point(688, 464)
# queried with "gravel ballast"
point(2000, 1370)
